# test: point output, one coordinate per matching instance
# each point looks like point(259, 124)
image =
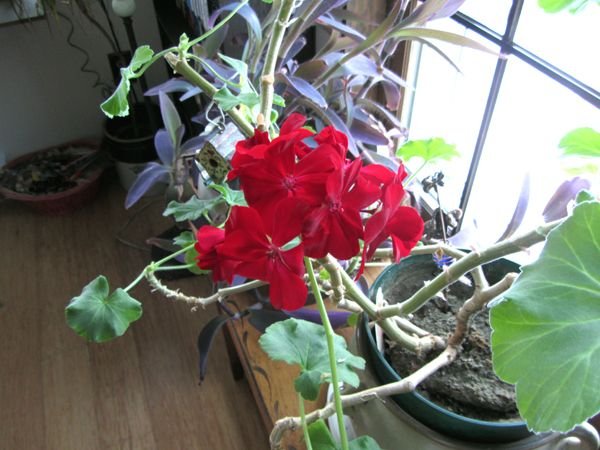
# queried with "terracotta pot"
point(59, 203)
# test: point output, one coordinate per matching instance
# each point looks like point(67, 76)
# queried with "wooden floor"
point(58, 392)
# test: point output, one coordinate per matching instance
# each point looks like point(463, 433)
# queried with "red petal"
point(288, 290)
point(292, 123)
point(406, 229)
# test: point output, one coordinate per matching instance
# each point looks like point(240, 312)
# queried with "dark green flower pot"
point(422, 409)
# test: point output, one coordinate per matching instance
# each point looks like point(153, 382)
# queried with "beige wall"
point(44, 98)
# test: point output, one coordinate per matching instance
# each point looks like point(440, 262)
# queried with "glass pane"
point(568, 41)
point(533, 113)
point(491, 14)
point(449, 104)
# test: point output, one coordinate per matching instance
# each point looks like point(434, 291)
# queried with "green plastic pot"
point(419, 407)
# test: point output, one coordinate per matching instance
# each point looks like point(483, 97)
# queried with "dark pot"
point(130, 139)
point(422, 409)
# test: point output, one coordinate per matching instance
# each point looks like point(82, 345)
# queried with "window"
point(507, 116)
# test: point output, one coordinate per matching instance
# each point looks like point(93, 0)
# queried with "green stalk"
point(330, 350)
point(152, 267)
point(181, 66)
point(267, 78)
point(303, 421)
point(217, 26)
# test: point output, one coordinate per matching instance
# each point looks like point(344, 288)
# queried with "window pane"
point(533, 113)
point(568, 41)
point(491, 14)
point(450, 104)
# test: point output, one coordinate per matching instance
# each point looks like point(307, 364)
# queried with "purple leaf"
point(310, 70)
point(382, 113)
point(393, 96)
point(337, 318)
point(520, 209)
point(363, 132)
point(174, 85)
point(338, 123)
point(359, 65)
point(302, 87)
point(556, 208)
point(170, 118)
point(164, 147)
point(377, 158)
point(295, 48)
point(448, 9)
point(152, 174)
point(246, 12)
point(193, 144)
point(328, 21)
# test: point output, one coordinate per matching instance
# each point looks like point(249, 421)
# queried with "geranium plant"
point(307, 200)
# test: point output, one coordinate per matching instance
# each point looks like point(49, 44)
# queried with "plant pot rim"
point(452, 420)
point(89, 183)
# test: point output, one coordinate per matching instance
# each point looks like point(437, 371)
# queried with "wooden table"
point(271, 382)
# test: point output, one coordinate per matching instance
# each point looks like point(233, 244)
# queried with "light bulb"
point(123, 8)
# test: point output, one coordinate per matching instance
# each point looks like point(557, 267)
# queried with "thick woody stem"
point(410, 383)
point(331, 265)
point(476, 303)
point(467, 264)
point(407, 384)
point(218, 296)
point(267, 78)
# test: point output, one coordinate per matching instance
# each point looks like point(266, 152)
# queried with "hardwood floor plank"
point(141, 391)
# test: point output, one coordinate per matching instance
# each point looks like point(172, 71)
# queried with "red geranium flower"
point(257, 248)
point(402, 223)
point(335, 226)
point(208, 240)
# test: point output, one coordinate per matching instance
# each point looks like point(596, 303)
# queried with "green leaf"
point(584, 196)
point(304, 343)
point(554, 6)
point(581, 142)
point(429, 150)
point(238, 65)
point(353, 319)
point(116, 104)
point(546, 330)
point(100, 317)
point(320, 436)
point(278, 100)
point(230, 196)
point(190, 210)
point(364, 443)
point(308, 384)
point(226, 99)
point(249, 99)
point(184, 240)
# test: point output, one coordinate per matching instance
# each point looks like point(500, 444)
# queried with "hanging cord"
point(85, 65)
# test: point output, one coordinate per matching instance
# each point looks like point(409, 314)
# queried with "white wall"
point(44, 98)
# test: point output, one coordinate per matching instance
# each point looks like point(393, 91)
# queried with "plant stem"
point(218, 25)
point(467, 264)
point(186, 266)
point(304, 424)
point(136, 281)
point(267, 79)
point(181, 251)
point(181, 66)
point(330, 350)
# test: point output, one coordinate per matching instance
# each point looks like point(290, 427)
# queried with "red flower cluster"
point(314, 194)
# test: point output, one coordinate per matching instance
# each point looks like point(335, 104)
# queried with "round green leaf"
point(100, 317)
point(546, 332)
point(304, 343)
